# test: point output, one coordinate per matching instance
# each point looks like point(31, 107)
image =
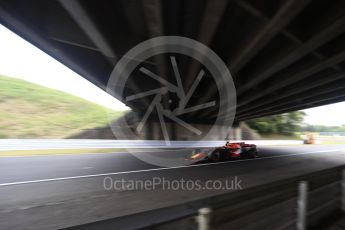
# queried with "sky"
point(330, 115)
point(20, 59)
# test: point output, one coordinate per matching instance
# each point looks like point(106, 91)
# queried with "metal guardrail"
point(293, 203)
point(36, 144)
point(332, 133)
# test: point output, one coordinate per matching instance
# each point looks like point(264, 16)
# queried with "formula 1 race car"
point(227, 152)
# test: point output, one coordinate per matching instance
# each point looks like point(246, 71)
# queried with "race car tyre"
point(254, 154)
point(215, 156)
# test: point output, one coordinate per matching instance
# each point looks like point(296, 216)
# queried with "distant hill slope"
point(28, 110)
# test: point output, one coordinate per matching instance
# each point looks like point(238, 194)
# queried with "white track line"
point(160, 169)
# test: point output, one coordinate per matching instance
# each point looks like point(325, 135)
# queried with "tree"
point(286, 124)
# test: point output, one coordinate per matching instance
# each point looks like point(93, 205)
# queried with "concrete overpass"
point(283, 55)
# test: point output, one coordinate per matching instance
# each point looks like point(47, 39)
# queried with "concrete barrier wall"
point(283, 204)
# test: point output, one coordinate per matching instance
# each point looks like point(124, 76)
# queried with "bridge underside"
point(283, 55)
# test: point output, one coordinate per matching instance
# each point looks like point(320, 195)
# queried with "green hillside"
point(31, 111)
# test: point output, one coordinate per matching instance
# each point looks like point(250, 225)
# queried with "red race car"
point(227, 152)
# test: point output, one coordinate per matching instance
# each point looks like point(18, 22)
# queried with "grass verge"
point(32, 111)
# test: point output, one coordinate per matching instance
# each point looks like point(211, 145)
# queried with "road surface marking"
point(160, 169)
point(87, 167)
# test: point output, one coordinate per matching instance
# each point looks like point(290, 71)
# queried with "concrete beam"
point(324, 99)
point(336, 86)
point(317, 86)
point(83, 19)
point(283, 17)
point(323, 36)
point(211, 18)
point(287, 79)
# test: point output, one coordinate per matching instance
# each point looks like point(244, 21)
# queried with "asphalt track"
point(50, 192)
